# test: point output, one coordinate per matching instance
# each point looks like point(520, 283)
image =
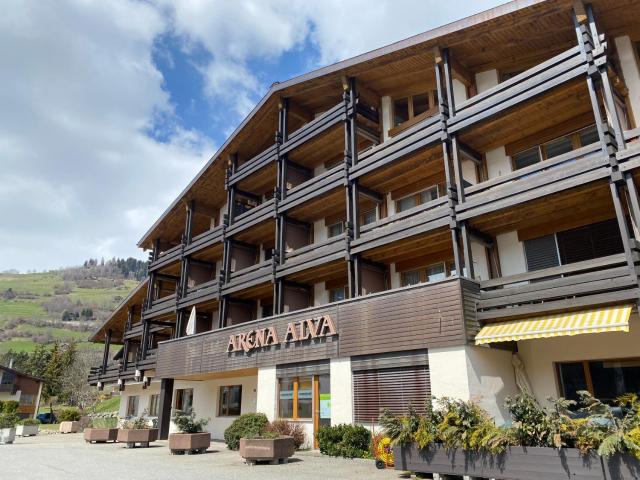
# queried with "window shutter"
point(391, 388)
point(541, 253)
point(591, 241)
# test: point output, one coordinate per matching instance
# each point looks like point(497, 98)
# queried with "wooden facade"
point(244, 234)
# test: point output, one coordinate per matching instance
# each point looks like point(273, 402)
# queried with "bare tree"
point(74, 382)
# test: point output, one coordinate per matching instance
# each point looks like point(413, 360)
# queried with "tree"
point(74, 385)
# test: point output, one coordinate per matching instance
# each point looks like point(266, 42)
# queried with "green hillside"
point(61, 305)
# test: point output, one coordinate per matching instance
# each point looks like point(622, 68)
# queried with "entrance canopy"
point(605, 319)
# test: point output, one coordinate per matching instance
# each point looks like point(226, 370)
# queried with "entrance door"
point(322, 404)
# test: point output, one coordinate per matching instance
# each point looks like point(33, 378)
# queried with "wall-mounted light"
point(120, 385)
point(137, 376)
point(100, 386)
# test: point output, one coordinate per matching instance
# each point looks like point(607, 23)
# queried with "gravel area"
point(53, 457)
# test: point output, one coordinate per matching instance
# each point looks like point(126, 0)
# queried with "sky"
point(109, 108)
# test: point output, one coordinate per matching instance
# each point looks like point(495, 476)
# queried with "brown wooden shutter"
point(392, 388)
point(541, 253)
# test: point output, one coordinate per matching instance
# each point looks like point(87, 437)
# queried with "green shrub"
point(348, 441)
point(107, 422)
point(29, 422)
point(247, 425)
point(139, 423)
point(8, 420)
point(69, 415)
point(10, 407)
point(289, 429)
point(187, 423)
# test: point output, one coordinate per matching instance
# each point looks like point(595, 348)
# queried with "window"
point(604, 379)
point(418, 198)
point(132, 406)
point(335, 229)
point(410, 278)
point(406, 203)
point(408, 108)
point(267, 311)
point(295, 397)
point(230, 401)
point(369, 217)
point(436, 272)
point(27, 399)
point(154, 405)
point(184, 399)
point(337, 294)
point(429, 194)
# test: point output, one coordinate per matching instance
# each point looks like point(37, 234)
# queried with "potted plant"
point(69, 421)
point(139, 430)
point(8, 421)
point(258, 439)
point(267, 446)
point(102, 430)
point(190, 437)
point(27, 427)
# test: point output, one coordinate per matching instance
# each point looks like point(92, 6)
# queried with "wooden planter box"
point(70, 427)
point(522, 463)
point(142, 437)
point(270, 449)
point(100, 435)
point(27, 430)
point(621, 467)
point(189, 443)
point(7, 435)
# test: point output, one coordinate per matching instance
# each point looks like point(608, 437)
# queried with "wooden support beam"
point(459, 71)
point(201, 263)
point(481, 237)
point(580, 12)
point(369, 134)
point(249, 195)
point(368, 95)
point(470, 153)
point(297, 166)
point(299, 113)
point(371, 194)
point(168, 278)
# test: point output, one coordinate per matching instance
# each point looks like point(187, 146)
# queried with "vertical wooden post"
point(164, 410)
point(105, 355)
point(633, 202)
point(466, 247)
point(624, 229)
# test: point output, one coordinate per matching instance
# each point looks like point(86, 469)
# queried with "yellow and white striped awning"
point(605, 319)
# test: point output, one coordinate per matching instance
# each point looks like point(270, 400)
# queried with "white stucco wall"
point(478, 373)
point(498, 162)
point(144, 396)
point(394, 276)
point(267, 391)
point(391, 205)
point(7, 397)
point(480, 264)
point(486, 80)
point(511, 253)
point(387, 121)
point(341, 385)
point(459, 91)
point(469, 171)
point(206, 395)
point(631, 73)
point(320, 294)
point(540, 355)
point(319, 231)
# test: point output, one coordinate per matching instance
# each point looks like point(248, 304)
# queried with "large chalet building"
point(453, 214)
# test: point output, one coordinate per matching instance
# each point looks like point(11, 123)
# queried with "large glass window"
point(408, 108)
point(295, 397)
point(230, 400)
point(337, 294)
point(184, 399)
point(406, 203)
point(154, 405)
point(369, 217)
point(335, 229)
point(436, 272)
point(132, 405)
point(410, 278)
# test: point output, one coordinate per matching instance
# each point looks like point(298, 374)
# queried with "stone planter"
point(189, 443)
point(27, 430)
point(7, 435)
point(270, 449)
point(142, 437)
point(522, 463)
point(70, 427)
point(100, 435)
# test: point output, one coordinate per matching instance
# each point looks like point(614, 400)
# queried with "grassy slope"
point(41, 287)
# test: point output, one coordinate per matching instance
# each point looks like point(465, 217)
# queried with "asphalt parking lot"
point(53, 457)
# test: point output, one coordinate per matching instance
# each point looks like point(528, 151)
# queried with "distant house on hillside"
point(23, 388)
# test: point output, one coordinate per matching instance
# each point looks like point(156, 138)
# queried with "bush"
point(139, 423)
point(348, 441)
point(247, 425)
point(295, 430)
point(29, 422)
point(69, 415)
point(108, 422)
point(10, 407)
point(187, 423)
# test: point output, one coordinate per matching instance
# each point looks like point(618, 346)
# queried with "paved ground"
point(54, 457)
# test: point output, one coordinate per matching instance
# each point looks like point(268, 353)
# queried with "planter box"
point(7, 435)
point(271, 449)
point(142, 437)
point(70, 427)
point(522, 463)
point(189, 442)
point(27, 430)
point(621, 467)
point(100, 435)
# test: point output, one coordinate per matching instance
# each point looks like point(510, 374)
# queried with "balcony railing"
point(12, 388)
point(309, 256)
point(565, 171)
point(581, 284)
point(533, 82)
point(249, 277)
point(254, 164)
point(161, 306)
point(414, 221)
point(200, 293)
point(314, 187)
point(204, 240)
point(332, 117)
point(250, 218)
point(166, 258)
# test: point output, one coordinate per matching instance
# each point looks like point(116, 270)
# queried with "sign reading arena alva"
point(296, 332)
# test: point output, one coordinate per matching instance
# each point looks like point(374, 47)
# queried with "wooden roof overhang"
point(117, 320)
point(511, 37)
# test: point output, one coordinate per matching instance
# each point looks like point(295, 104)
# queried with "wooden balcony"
point(531, 83)
point(161, 306)
point(110, 375)
point(205, 240)
point(254, 164)
point(248, 277)
point(200, 293)
point(314, 187)
point(166, 258)
point(10, 388)
point(416, 220)
point(582, 284)
point(419, 136)
point(329, 119)
point(310, 256)
point(264, 211)
point(572, 169)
